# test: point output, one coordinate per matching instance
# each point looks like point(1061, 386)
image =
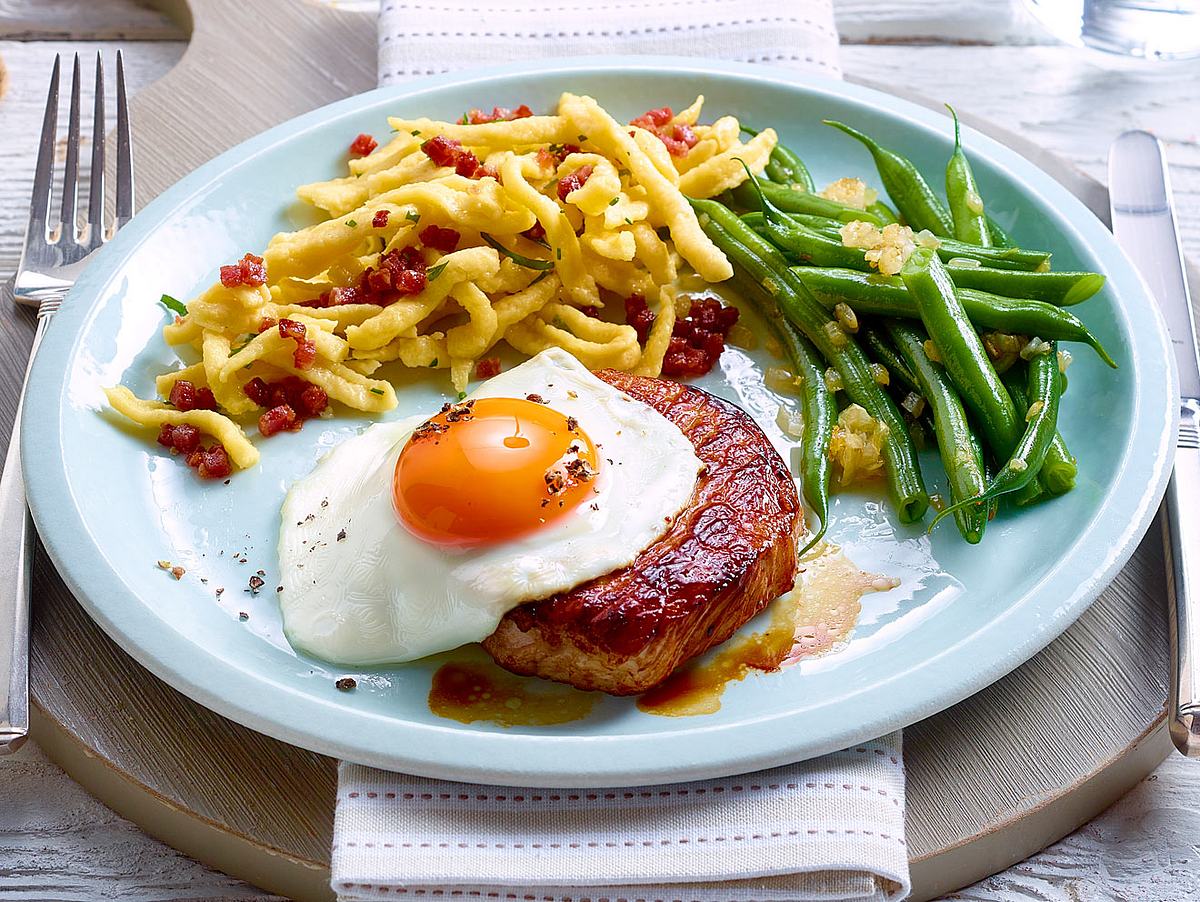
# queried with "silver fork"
point(54, 254)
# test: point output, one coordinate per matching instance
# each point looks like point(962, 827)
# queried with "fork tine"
point(70, 190)
point(124, 150)
point(96, 190)
point(40, 205)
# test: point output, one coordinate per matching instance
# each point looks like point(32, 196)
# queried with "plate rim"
point(537, 760)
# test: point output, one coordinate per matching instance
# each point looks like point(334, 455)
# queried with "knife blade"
point(1143, 219)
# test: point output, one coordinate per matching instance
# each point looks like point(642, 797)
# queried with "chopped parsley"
point(416, 131)
point(614, 201)
point(519, 259)
point(351, 223)
point(582, 138)
point(175, 306)
point(434, 272)
point(377, 391)
point(412, 216)
point(461, 395)
point(558, 253)
point(628, 221)
point(246, 340)
point(433, 363)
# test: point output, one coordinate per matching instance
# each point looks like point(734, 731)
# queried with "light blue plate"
point(109, 505)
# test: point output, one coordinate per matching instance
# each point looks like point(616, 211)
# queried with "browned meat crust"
point(729, 552)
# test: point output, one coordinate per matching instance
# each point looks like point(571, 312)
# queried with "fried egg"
point(418, 536)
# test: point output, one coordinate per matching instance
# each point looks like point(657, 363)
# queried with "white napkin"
point(829, 829)
point(431, 36)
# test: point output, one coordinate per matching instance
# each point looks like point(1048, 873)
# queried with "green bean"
point(819, 409)
point(920, 207)
point(997, 234)
point(882, 212)
point(784, 167)
point(1025, 463)
point(966, 206)
point(961, 351)
point(805, 245)
point(765, 267)
point(1063, 289)
point(881, 295)
point(886, 355)
point(792, 201)
point(962, 455)
point(1060, 467)
point(1014, 258)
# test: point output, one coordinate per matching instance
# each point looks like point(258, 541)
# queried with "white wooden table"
point(983, 56)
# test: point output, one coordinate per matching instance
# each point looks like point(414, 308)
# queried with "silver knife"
point(1143, 220)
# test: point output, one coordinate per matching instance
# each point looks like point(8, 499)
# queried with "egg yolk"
point(486, 471)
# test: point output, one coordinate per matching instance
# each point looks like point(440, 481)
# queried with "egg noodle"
point(563, 210)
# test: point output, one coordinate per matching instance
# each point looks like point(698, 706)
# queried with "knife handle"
point(1182, 534)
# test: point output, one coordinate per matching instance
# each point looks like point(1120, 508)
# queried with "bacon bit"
point(313, 400)
point(466, 164)
point(210, 463)
point(679, 139)
point(363, 145)
point(545, 159)
point(181, 439)
point(289, 328)
point(442, 151)
point(444, 240)
point(178, 572)
point(638, 315)
point(268, 322)
point(574, 181)
point(590, 310)
point(346, 684)
point(400, 273)
point(185, 396)
point(536, 232)
point(652, 120)
point(698, 340)
point(535, 398)
point(305, 354)
point(487, 368)
point(306, 349)
point(248, 271)
point(445, 151)
point(487, 171)
point(276, 420)
point(498, 114)
point(380, 219)
point(255, 582)
point(257, 391)
point(291, 401)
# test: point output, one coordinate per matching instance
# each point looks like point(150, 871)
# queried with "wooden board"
point(262, 810)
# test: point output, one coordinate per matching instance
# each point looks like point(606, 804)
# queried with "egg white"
point(358, 588)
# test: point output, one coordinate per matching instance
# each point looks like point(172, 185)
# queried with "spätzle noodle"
point(443, 242)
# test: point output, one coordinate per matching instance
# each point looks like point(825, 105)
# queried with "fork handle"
point(16, 570)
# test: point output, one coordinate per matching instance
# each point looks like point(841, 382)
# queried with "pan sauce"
point(814, 618)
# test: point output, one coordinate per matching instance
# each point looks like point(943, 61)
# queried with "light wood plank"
point(58, 843)
point(91, 20)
